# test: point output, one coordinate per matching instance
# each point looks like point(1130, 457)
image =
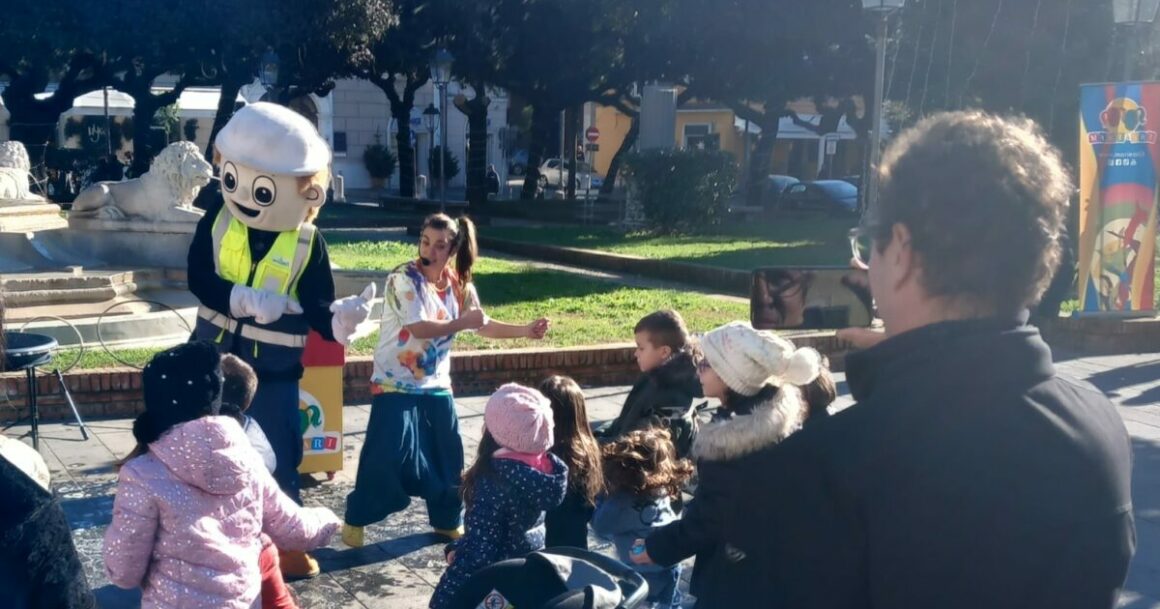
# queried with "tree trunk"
point(139, 86)
point(1062, 284)
point(618, 159)
point(33, 125)
point(225, 109)
point(401, 112)
point(761, 161)
point(33, 122)
point(406, 158)
point(571, 118)
point(476, 111)
point(477, 157)
point(541, 122)
point(145, 105)
point(144, 108)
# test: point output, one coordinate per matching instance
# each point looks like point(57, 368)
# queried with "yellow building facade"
point(798, 151)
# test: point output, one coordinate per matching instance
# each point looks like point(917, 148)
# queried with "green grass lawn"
point(779, 241)
point(335, 215)
point(583, 311)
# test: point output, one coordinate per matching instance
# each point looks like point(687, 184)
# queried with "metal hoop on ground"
point(101, 318)
point(80, 342)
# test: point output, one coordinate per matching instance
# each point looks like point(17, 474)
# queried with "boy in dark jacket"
point(239, 385)
point(664, 394)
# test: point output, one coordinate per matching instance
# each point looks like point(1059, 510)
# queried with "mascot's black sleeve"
point(315, 287)
point(211, 290)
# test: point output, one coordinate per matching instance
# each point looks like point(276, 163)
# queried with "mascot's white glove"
point(350, 313)
point(265, 307)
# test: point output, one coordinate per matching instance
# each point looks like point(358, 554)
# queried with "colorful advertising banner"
point(320, 405)
point(1118, 165)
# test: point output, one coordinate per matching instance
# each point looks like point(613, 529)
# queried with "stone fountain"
point(115, 269)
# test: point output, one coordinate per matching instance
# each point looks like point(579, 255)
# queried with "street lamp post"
point(430, 117)
point(881, 9)
point(441, 75)
point(1134, 16)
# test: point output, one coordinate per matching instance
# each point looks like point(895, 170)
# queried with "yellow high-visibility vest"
point(281, 268)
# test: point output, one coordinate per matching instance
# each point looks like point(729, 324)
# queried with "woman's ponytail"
point(467, 250)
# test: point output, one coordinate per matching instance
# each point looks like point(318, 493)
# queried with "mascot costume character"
point(261, 272)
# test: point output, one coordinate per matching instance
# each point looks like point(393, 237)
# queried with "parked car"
point(831, 196)
point(518, 163)
point(775, 187)
point(855, 180)
point(554, 173)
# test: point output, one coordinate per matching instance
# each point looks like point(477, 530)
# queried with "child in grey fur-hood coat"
point(756, 375)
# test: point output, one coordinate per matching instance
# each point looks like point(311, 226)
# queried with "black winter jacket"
point(968, 474)
point(661, 397)
point(39, 567)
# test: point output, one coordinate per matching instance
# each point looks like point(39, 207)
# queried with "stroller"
point(554, 578)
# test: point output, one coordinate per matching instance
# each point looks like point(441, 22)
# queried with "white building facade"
point(349, 119)
point(362, 113)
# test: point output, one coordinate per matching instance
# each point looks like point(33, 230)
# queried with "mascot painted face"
point(274, 167)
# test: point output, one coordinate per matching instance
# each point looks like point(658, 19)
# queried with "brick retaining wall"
point(1102, 336)
point(116, 392)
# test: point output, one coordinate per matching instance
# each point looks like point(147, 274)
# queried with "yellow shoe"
point(352, 535)
point(298, 565)
point(451, 534)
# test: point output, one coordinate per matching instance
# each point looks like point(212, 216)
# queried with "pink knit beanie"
point(520, 419)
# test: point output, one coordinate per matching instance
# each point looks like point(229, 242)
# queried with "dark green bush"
point(682, 190)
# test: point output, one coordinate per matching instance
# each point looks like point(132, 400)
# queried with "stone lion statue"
point(14, 174)
point(164, 194)
point(13, 154)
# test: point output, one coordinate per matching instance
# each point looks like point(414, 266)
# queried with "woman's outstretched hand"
point(539, 328)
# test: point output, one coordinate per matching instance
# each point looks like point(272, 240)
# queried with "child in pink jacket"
point(189, 513)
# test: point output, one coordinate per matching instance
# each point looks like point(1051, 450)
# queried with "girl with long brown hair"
point(576, 446)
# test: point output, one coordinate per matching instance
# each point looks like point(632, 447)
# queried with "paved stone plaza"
point(402, 562)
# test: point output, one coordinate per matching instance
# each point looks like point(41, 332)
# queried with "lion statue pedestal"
point(148, 220)
point(21, 211)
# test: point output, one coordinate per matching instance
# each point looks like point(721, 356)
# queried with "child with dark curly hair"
point(643, 476)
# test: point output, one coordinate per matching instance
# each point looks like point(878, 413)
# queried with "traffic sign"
point(592, 134)
point(831, 145)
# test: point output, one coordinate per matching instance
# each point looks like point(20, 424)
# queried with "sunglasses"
point(703, 365)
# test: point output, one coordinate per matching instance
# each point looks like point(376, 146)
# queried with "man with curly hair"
point(969, 473)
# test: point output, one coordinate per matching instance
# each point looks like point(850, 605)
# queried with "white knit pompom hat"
point(747, 359)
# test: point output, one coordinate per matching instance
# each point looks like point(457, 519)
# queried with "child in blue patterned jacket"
point(513, 481)
point(643, 475)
